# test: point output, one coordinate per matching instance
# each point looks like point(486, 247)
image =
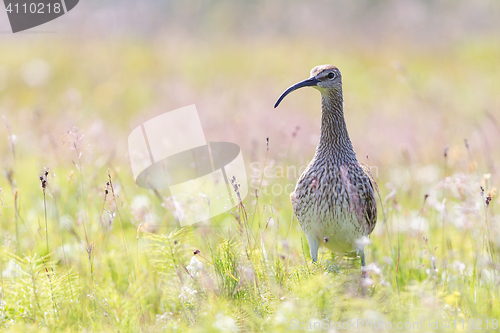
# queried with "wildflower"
point(367, 282)
point(460, 266)
point(360, 243)
point(225, 323)
point(372, 267)
point(284, 311)
point(187, 294)
point(12, 270)
point(485, 179)
point(194, 267)
point(163, 318)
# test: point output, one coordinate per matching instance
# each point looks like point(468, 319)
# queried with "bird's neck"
point(334, 141)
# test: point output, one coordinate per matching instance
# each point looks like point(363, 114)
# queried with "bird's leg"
point(313, 247)
point(363, 273)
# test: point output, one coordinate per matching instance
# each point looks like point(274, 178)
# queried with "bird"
point(334, 199)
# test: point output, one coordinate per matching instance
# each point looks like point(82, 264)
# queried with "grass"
point(83, 248)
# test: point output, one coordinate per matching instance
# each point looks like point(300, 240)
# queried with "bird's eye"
point(331, 75)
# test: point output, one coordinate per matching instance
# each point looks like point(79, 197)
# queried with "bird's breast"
point(330, 201)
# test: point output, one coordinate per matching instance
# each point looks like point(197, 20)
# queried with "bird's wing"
point(370, 200)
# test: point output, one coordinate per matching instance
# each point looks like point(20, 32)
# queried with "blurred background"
point(420, 82)
point(422, 105)
point(419, 76)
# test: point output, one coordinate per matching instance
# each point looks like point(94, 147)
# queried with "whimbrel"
point(334, 199)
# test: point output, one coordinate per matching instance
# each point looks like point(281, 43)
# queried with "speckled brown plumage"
point(334, 198)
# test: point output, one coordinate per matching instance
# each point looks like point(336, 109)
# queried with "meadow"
point(85, 249)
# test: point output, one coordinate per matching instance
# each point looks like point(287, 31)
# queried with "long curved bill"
point(306, 83)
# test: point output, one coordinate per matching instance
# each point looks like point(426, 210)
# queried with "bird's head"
point(325, 78)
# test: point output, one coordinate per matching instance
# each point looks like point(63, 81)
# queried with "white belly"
point(330, 208)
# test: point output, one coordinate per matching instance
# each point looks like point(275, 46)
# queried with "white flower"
point(367, 282)
point(12, 270)
point(360, 243)
point(225, 323)
point(187, 294)
point(460, 266)
point(195, 266)
point(285, 311)
point(164, 318)
point(372, 267)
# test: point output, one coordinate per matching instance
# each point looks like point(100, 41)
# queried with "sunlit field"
point(85, 249)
